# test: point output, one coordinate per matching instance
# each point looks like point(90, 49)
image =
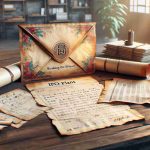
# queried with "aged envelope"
point(124, 90)
point(57, 50)
point(20, 104)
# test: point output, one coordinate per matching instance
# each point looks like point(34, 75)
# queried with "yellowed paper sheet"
point(122, 66)
point(7, 119)
point(20, 104)
point(2, 127)
point(130, 91)
point(107, 84)
point(19, 124)
point(74, 107)
point(10, 120)
point(66, 92)
point(84, 118)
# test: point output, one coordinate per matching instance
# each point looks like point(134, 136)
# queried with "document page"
point(20, 104)
point(123, 90)
point(73, 105)
point(76, 120)
point(67, 92)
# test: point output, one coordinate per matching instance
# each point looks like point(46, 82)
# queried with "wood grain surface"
point(40, 134)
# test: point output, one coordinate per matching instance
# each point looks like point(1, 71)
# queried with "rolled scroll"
point(121, 66)
point(9, 74)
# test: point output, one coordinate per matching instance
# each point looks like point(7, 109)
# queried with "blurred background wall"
point(76, 9)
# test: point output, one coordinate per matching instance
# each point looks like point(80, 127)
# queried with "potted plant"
point(111, 16)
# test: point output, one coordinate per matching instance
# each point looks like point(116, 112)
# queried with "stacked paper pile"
point(137, 52)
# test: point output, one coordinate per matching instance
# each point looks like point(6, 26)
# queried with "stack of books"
point(118, 50)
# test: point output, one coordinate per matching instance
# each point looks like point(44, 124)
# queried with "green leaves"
point(112, 16)
point(113, 33)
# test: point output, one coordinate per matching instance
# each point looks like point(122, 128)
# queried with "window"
point(140, 6)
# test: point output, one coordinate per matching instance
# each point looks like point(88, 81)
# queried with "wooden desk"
point(40, 134)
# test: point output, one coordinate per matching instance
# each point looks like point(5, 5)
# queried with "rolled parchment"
point(121, 66)
point(9, 74)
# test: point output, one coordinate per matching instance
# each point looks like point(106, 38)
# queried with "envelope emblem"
point(61, 51)
point(57, 50)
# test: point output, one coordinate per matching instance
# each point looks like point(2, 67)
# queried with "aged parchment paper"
point(74, 107)
point(84, 118)
point(122, 66)
point(19, 103)
point(124, 90)
point(9, 74)
point(66, 92)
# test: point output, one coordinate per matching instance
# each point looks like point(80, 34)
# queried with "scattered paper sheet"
point(7, 119)
point(74, 107)
point(123, 90)
point(75, 120)
point(67, 92)
point(20, 104)
point(19, 124)
point(2, 127)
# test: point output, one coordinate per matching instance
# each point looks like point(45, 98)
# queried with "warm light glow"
point(140, 6)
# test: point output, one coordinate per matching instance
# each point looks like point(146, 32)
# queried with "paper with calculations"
point(84, 118)
point(19, 103)
point(130, 91)
point(73, 105)
point(67, 92)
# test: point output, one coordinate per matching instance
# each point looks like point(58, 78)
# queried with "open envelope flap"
point(84, 54)
point(58, 43)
